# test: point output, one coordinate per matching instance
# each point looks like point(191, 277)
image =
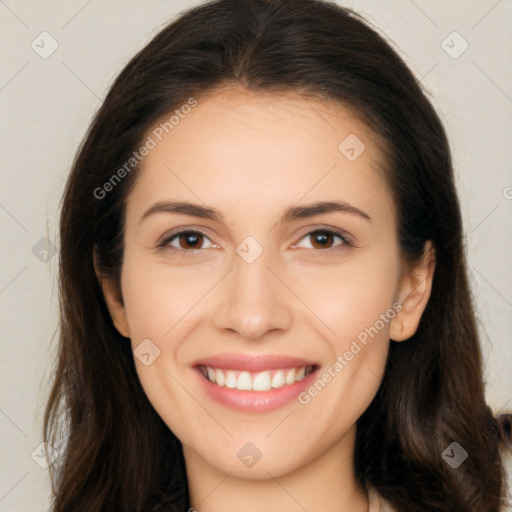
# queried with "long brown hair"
point(116, 452)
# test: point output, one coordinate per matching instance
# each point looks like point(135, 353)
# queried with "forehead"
point(242, 148)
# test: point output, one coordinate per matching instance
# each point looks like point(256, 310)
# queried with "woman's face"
point(265, 287)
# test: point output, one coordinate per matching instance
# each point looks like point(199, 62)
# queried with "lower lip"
point(255, 401)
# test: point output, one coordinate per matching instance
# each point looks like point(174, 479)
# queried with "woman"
point(264, 299)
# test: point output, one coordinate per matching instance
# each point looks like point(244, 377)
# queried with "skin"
point(251, 155)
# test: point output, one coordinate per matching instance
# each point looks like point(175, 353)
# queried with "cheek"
point(159, 309)
point(352, 297)
point(355, 303)
point(159, 301)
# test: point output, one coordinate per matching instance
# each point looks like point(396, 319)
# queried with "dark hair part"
point(117, 453)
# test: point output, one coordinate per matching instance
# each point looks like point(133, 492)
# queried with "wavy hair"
point(117, 454)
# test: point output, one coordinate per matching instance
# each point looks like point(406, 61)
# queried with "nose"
point(254, 301)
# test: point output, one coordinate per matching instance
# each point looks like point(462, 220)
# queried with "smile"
point(255, 381)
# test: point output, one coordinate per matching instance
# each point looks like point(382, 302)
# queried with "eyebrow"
point(290, 214)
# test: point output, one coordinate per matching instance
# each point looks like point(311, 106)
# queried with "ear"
point(113, 299)
point(414, 292)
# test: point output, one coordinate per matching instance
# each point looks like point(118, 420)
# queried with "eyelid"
point(166, 237)
point(347, 238)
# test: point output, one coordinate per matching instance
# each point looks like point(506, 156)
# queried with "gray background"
point(47, 103)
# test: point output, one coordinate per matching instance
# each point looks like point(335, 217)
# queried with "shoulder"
point(377, 502)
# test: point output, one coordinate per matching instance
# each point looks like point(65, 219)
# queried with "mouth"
point(256, 381)
point(254, 384)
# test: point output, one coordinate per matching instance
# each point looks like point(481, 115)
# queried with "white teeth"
point(230, 379)
point(278, 380)
point(219, 377)
point(244, 382)
point(261, 381)
point(290, 376)
point(211, 373)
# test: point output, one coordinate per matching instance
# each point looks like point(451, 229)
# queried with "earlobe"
point(414, 293)
point(113, 300)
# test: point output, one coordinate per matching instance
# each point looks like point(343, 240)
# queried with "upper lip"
point(253, 363)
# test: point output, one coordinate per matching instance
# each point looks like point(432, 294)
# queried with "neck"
point(326, 482)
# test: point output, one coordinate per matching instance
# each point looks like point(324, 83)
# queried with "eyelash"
point(345, 239)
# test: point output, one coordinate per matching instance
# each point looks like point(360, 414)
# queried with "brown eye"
point(187, 241)
point(325, 239)
point(190, 240)
point(322, 238)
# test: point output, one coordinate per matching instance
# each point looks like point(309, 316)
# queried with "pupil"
point(192, 239)
point(322, 238)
